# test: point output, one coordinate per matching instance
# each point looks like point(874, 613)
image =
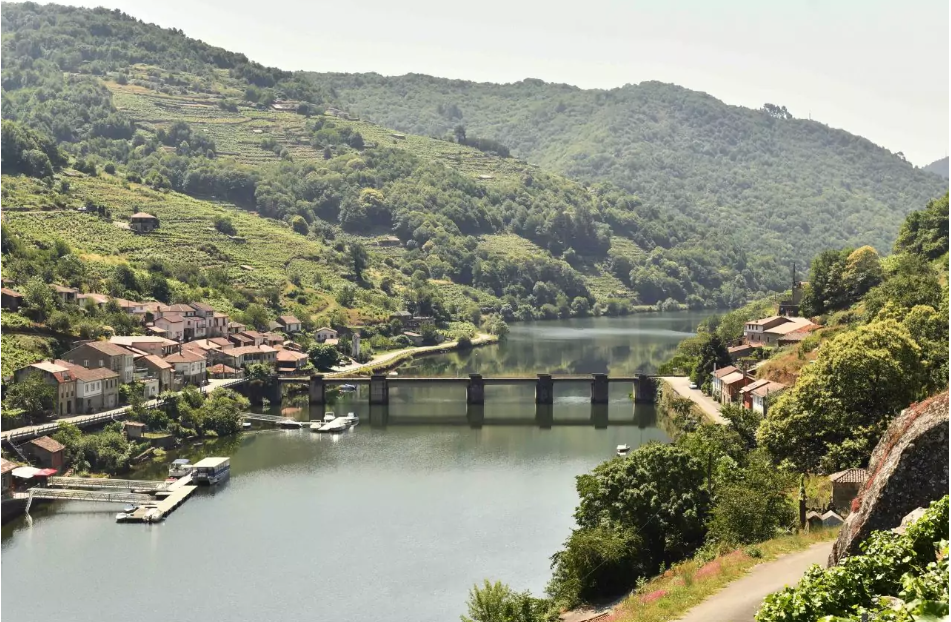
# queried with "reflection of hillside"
point(617, 346)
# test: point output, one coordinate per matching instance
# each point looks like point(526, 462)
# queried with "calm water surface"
point(394, 520)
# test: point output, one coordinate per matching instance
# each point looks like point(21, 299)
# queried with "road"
point(29, 431)
point(386, 357)
point(681, 384)
point(739, 601)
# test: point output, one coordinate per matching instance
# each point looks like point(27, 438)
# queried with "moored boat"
point(180, 468)
point(329, 416)
point(352, 420)
point(336, 426)
point(211, 470)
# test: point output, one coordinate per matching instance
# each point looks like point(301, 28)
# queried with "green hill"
point(251, 166)
point(939, 167)
point(787, 186)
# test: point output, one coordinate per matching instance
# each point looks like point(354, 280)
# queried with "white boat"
point(329, 416)
point(336, 426)
point(623, 450)
point(180, 468)
point(123, 517)
point(246, 425)
point(348, 388)
point(211, 470)
point(153, 516)
point(316, 425)
point(290, 424)
point(352, 420)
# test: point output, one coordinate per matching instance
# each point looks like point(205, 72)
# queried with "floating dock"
point(173, 496)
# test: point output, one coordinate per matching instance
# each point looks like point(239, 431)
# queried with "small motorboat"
point(290, 424)
point(352, 420)
point(329, 416)
point(623, 450)
point(180, 468)
point(334, 427)
point(348, 388)
point(123, 517)
point(246, 425)
point(129, 508)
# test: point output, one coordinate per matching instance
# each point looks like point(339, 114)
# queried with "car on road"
point(693, 385)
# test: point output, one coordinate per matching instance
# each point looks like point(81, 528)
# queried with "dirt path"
point(739, 601)
point(681, 384)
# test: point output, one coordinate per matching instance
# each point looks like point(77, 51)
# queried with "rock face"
point(908, 470)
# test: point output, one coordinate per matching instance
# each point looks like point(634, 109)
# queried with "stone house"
point(6, 476)
point(289, 361)
point(325, 333)
point(88, 301)
point(767, 331)
point(255, 337)
point(245, 355)
point(845, 487)
point(415, 338)
point(10, 300)
point(46, 451)
point(189, 367)
point(96, 389)
point(143, 223)
point(135, 429)
point(60, 377)
point(153, 367)
point(149, 344)
point(95, 354)
point(289, 323)
point(67, 295)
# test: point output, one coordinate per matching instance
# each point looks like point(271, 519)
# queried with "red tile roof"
point(155, 361)
point(10, 292)
point(49, 444)
point(288, 319)
point(142, 215)
point(849, 476)
point(6, 466)
point(723, 371)
point(185, 356)
point(172, 318)
point(105, 347)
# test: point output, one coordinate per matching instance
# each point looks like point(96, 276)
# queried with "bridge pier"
point(475, 390)
point(379, 416)
point(599, 416)
point(273, 391)
point(317, 389)
point(645, 389)
point(544, 389)
point(475, 415)
point(379, 390)
point(544, 416)
point(599, 388)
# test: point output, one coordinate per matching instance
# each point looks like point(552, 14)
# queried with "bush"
point(912, 568)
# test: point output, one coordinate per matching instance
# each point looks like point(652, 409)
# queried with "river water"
point(394, 520)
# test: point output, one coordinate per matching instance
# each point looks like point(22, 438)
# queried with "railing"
point(56, 494)
point(101, 483)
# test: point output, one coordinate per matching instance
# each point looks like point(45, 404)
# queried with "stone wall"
point(908, 469)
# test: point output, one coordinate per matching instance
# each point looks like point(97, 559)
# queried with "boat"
point(348, 388)
point(335, 427)
point(130, 508)
point(211, 470)
point(316, 425)
point(290, 424)
point(623, 450)
point(153, 515)
point(246, 425)
point(352, 420)
point(180, 468)
point(329, 416)
point(123, 517)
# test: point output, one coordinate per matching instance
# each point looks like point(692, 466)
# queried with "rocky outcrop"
point(908, 470)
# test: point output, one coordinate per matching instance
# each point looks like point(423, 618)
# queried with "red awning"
point(45, 473)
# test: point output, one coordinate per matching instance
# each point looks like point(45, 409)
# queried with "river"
point(390, 521)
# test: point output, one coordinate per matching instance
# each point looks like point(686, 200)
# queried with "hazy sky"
point(875, 68)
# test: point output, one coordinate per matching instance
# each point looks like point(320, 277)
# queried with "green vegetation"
point(786, 187)
point(687, 584)
point(158, 114)
point(108, 451)
point(897, 578)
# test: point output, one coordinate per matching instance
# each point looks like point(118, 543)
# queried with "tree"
point(324, 356)
point(32, 395)
point(359, 258)
point(256, 315)
point(497, 602)
point(300, 225)
point(712, 352)
point(863, 271)
point(38, 299)
point(225, 225)
point(925, 232)
point(826, 290)
point(346, 296)
point(580, 307)
point(460, 133)
point(429, 334)
point(753, 505)
point(841, 404)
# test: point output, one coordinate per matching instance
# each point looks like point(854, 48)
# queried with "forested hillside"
point(117, 115)
point(787, 186)
point(939, 167)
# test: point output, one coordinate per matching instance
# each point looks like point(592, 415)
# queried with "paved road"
point(739, 601)
point(386, 357)
point(681, 384)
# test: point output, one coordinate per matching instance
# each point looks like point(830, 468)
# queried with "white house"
point(763, 394)
point(189, 366)
point(768, 330)
point(173, 325)
point(323, 334)
point(290, 323)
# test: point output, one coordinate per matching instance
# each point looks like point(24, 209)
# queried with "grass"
point(22, 350)
point(689, 583)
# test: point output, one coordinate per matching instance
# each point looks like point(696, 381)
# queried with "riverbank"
point(388, 360)
point(702, 404)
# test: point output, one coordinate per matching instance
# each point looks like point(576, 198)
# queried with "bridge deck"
point(88, 495)
point(97, 483)
point(457, 379)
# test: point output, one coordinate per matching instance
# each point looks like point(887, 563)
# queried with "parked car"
point(693, 385)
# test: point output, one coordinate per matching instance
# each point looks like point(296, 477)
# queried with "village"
point(182, 345)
